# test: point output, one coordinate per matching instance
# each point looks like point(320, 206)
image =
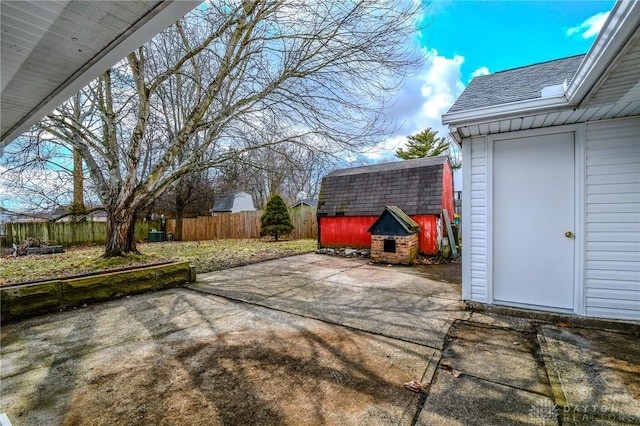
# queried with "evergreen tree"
point(423, 144)
point(276, 219)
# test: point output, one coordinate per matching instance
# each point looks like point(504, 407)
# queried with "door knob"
point(568, 234)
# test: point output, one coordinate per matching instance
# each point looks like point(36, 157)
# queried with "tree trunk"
point(180, 206)
point(177, 232)
point(78, 183)
point(121, 235)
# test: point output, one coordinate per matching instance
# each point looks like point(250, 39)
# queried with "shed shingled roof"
point(415, 186)
point(224, 203)
point(518, 84)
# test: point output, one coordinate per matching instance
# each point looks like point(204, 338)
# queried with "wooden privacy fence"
point(305, 223)
point(222, 226)
point(69, 233)
point(219, 227)
point(243, 225)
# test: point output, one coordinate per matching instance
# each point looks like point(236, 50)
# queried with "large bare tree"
point(192, 98)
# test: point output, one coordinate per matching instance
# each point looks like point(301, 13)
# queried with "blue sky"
point(501, 35)
point(466, 38)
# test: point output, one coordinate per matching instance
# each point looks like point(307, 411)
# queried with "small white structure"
point(551, 206)
point(233, 203)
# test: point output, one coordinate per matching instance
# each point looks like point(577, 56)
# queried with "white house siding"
point(612, 269)
point(474, 218)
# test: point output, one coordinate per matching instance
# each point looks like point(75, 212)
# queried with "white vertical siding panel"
point(612, 258)
point(478, 222)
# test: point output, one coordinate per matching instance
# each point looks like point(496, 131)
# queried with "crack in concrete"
point(324, 320)
point(423, 398)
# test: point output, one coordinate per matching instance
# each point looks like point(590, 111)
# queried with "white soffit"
point(51, 49)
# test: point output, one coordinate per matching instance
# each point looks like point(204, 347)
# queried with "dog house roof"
point(393, 221)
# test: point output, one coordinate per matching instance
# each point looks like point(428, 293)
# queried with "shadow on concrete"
point(183, 358)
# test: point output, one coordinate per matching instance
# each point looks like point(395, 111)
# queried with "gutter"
point(504, 111)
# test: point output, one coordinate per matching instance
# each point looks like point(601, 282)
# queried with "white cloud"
point(591, 27)
point(480, 71)
point(422, 101)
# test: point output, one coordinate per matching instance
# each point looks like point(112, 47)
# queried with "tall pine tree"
point(423, 144)
point(276, 220)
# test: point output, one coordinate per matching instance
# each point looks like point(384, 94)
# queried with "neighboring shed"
point(305, 203)
point(351, 200)
point(551, 176)
point(233, 203)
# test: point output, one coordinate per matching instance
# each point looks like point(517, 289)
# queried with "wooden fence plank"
point(68, 233)
point(243, 225)
point(222, 226)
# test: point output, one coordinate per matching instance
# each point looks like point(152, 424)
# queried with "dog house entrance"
point(390, 245)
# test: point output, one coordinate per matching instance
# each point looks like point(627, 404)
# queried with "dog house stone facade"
point(394, 237)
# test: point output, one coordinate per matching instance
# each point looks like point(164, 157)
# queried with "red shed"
point(351, 200)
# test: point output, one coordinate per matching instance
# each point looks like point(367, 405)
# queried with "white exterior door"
point(533, 221)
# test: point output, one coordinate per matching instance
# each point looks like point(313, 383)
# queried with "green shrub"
point(276, 220)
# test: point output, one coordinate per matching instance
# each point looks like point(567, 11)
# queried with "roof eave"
point(616, 33)
point(503, 111)
point(162, 16)
point(622, 23)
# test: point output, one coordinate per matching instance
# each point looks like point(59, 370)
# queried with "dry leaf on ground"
point(414, 386)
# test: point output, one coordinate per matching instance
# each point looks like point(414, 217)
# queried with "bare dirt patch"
point(449, 270)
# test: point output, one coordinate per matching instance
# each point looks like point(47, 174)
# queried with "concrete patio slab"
point(507, 357)
point(396, 279)
point(371, 298)
point(395, 302)
point(503, 321)
point(466, 401)
point(312, 339)
point(595, 373)
point(178, 357)
point(251, 289)
point(399, 315)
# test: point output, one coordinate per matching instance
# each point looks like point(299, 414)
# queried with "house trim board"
point(595, 67)
point(466, 223)
point(607, 48)
point(580, 250)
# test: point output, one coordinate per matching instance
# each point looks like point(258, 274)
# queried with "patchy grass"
point(206, 256)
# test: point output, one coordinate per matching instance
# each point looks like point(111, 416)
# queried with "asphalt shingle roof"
point(518, 84)
point(310, 203)
point(224, 203)
point(415, 186)
point(409, 225)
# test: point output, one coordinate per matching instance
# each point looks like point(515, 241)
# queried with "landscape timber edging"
point(56, 295)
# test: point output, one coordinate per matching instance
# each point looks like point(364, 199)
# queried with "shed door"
point(533, 209)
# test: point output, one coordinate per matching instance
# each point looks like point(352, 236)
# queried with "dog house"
point(394, 237)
